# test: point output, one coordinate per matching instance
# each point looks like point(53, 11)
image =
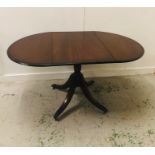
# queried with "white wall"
point(137, 23)
point(19, 22)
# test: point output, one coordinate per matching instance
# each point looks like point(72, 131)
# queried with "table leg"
point(66, 85)
point(65, 102)
point(91, 98)
point(76, 79)
point(89, 83)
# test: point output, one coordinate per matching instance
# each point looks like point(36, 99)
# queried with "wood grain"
point(68, 48)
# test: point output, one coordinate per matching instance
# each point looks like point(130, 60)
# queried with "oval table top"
point(69, 48)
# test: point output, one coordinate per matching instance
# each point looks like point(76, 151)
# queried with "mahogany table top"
point(69, 48)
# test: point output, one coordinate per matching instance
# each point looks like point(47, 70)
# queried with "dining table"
point(76, 48)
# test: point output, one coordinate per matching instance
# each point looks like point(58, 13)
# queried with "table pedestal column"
point(76, 79)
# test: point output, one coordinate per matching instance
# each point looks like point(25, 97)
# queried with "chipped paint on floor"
point(26, 109)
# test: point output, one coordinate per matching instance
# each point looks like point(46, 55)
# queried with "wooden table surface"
point(68, 48)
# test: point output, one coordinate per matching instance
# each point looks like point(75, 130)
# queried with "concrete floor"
point(26, 109)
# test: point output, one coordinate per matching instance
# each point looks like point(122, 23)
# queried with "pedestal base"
point(76, 79)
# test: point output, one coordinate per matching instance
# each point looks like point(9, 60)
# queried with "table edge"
point(85, 63)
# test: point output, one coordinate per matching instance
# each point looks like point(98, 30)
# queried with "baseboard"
point(88, 73)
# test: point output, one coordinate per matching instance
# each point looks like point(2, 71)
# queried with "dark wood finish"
point(68, 98)
point(76, 79)
point(69, 48)
point(74, 48)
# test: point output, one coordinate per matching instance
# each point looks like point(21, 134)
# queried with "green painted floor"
point(26, 109)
